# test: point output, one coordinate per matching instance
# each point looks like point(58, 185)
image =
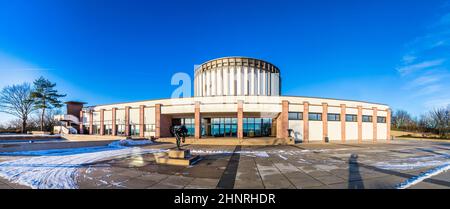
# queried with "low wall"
point(81, 137)
point(29, 137)
point(18, 147)
point(232, 141)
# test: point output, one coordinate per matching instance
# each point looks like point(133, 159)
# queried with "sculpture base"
point(183, 153)
point(176, 157)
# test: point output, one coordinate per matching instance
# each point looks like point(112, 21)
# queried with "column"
point(258, 82)
point(113, 118)
point(263, 83)
point(142, 121)
point(208, 82)
point(305, 121)
point(102, 122)
point(239, 81)
point(252, 82)
point(374, 124)
point(343, 113)
point(324, 121)
point(388, 125)
point(231, 81)
point(213, 82)
point(127, 121)
point(246, 92)
point(197, 121)
point(203, 83)
point(81, 122)
point(359, 124)
point(226, 82)
point(157, 120)
point(219, 82)
point(240, 118)
point(269, 84)
point(283, 120)
point(91, 122)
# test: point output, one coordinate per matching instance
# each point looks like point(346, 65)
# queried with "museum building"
point(238, 97)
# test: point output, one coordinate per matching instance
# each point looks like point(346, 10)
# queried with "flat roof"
point(147, 100)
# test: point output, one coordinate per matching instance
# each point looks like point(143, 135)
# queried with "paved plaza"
point(301, 166)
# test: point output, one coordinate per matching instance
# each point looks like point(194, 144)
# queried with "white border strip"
point(422, 176)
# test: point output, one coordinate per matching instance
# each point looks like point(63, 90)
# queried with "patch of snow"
point(303, 161)
point(326, 167)
point(129, 142)
point(59, 169)
point(422, 176)
point(228, 152)
point(410, 166)
point(414, 162)
point(282, 157)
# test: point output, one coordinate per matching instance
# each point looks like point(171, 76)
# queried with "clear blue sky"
point(105, 51)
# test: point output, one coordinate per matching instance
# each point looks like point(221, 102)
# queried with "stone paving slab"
point(301, 166)
point(203, 183)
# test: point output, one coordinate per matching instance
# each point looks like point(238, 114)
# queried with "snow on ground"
point(266, 153)
point(58, 169)
point(230, 152)
point(422, 176)
point(440, 162)
point(414, 162)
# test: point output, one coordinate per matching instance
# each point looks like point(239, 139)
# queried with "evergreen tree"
point(44, 97)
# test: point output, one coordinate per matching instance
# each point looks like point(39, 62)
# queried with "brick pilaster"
point(158, 120)
point(324, 121)
point(306, 122)
point(359, 124)
point(113, 122)
point(197, 121)
point(91, 122)
point(343, 118)
point(81, 122)
point(388, 125)
point(142, 121)
point(374, 124)
point(240, 120)
point(102, 122)
point(127, 121)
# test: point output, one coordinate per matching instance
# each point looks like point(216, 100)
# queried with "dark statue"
point(180, 133)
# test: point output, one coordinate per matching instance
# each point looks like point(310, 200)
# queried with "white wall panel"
point(334, 130)
point(315, 131)
point(367, 131)
point(351, 130)
point(297, 127)
point(134, 116)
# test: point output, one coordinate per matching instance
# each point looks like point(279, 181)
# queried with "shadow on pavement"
point(354, 177)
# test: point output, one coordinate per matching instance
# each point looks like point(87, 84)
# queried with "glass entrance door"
point(224, 127)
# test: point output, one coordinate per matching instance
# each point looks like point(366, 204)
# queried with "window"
point(367, 118)
point(381, 119)
point(295, 116)
point(315, 116)
point(150, 127)
point(257, 127)
point(135, 130)
point(351, 118)
point(221, 127)
point(120, 129)
point(334, 117)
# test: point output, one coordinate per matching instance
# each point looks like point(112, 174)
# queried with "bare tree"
point(49, 120)
point(440, 120)
point(15, 100)
point(401, 119)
